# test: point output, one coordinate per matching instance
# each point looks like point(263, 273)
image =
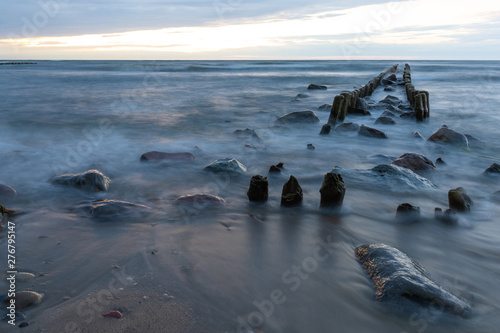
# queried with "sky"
point(243, 29)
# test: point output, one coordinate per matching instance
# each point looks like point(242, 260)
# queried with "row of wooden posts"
point(419, 99)
point(342, 102)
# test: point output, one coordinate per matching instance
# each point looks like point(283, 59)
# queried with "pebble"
point(113, 314)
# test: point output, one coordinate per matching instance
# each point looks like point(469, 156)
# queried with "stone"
point(459, 200)
point(325, 130)
point(199, 199)
point(313, 86)
point(388, 113)
point(494, 168)
point(24, 324)
point(385, 121)
point(91, 180)
point(417, 135)
point(325, 107)
point(298, 117)
point(386, 82)
point(415, 162)
point(371, 132)
point(247, 134)
point(230, 166)
point(392, 77)
point(362, 104)
point(157, 156)
point(392, 109)
point(291, 196)
point(24, 277)
point(25, 299)
point(113, 314)
point(7, 192)
point(302, 96)
point(444, 135)
point(391, 100)
point(400, 281)
point(258, 190)
point(474, 142)
point(400, 177)
point(274, 168)
point(280, 165)
point(357, 112)
point(440, 161)
point(107, 208)
point(347, 127)
point(449, 217)
point(332, 190)
point(389, 89)
point(408, 213)
point(310, 146)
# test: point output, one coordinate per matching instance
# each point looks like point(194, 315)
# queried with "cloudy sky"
point(244, 29)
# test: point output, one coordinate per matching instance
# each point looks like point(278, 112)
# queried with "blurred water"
point(70, 116)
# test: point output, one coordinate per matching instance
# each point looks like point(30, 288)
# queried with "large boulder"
point(291, 196)
point(400, 281)
point(157, 156)
point(7, 192)
point(91, 180)
point(108, 208)
point(332, 190)
point(200, 199)
point(459, 200)
point(298, 117)
point(444, 135)
point(371, 132)
point(415, 162)
point(313, 86)
point(258, 190)
point(398, 177)
point(230, 166)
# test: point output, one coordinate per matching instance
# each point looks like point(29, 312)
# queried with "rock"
point(258, 190)
point(325, 107)
point(274, 168)
point(417, 135)
point(247, 134)
point(19, 316)
point(408, 213)
point(291, 196)
point(91, 180)
point(302, 96)
point(24, 277)
point(113, 314)
point(386, 82)
point(440, 161)
point(325, 130)
point(317, 87)
point(230, 166)
point(7, 192)
point(371, 132)
point(401, 281)
point(107, 208)
point(474, 142)
point(494, 168)
point(357, 111)
point(298, 117)
point(388, 114)
point(25, 299)
point(391, 100)
point(24, 324)
point(385, 121)
point(459, 200)
point(444, 135)
point(280, 165)
point(332, 190)
point(157, 156)
point(449, 217)
point(398, 177)
point(415, 162)
point(199, 199)
point(392, 109)
point(392, 77)
point(389, 89)
point(408, 115)
point(381, 158)
point(310, 146)
point(347, 127)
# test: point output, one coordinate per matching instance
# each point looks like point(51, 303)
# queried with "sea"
point(247, 267)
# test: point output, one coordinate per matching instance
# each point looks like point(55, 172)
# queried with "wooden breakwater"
point(342, 102)
point(419, 99)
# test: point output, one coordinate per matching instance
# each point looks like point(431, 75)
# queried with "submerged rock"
point(200, 199)
point(91, 180)
point(332, 190)
point(227, 165)
point(415, 162)
point(7, 192)
point(389, 89)
point(391, 100)
point(392, 77)
point(385, 121)
point(388, 113)
point(494, 168)
point(417, 135)
point(403, 282)
point(105, 208)
point(408, 213)
point(313, 86)
point(310, 146)
point(347, 128)
point(361, 104)
point(258, 190)
point(399, 176)
point(325, 130)
point(291, 196)
point(444, 135)
point(325, 107)
point(459, 200)
point(274, 168)
point(247, 134)
point(25, 299)
point(298, 117)
point(440, 161)
point(302, 96)
point(371, 132)
point(449, 217)
point(474, 142)
point(357, 111)
point(157, 156)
